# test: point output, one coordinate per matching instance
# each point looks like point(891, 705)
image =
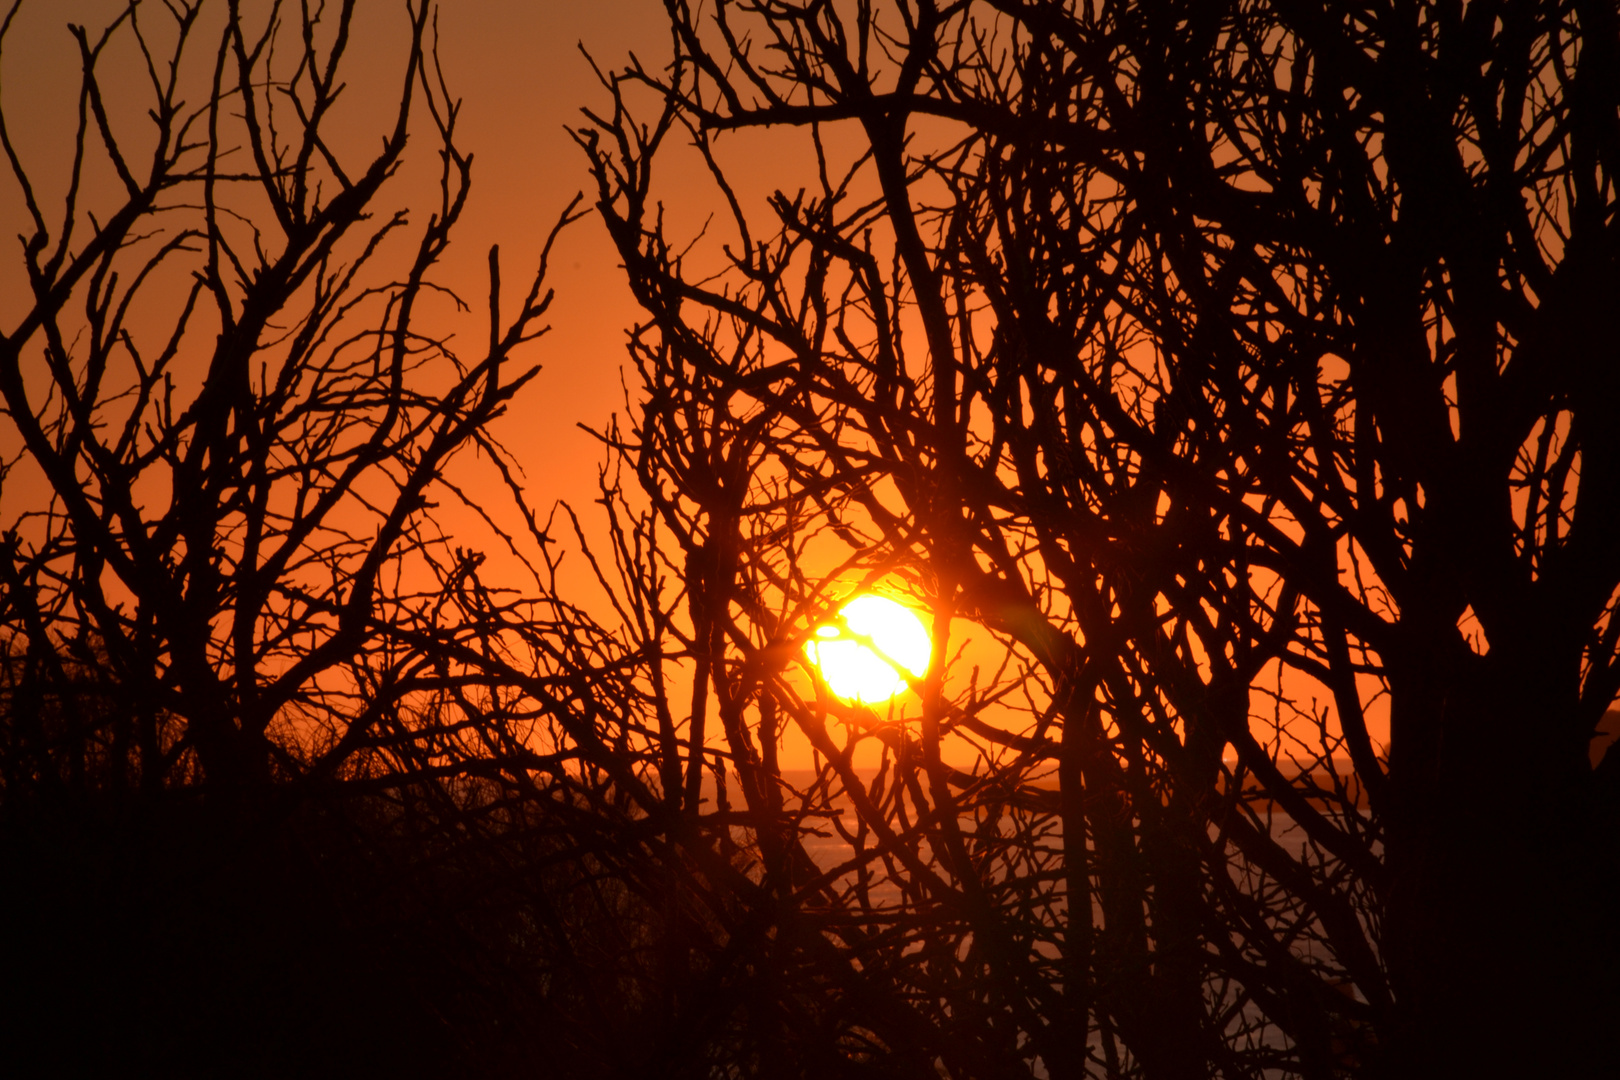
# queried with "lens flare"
point(863, 654)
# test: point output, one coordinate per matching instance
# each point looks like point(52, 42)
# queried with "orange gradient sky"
point(517, 68)
point(521, 77)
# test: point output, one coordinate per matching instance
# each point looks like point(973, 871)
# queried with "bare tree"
point(248, 666)
point(1244, 369)
point(1230, 373)
point(238, 524)
point(283, 779)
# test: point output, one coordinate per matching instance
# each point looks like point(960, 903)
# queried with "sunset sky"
point(520, 75)
point(1057, 538)
point(519, 72)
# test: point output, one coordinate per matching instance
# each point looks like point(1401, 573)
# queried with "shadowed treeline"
point(1229, 382)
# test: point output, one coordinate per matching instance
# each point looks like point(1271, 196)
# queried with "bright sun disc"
point(859, 654)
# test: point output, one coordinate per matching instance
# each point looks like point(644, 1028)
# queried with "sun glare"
point(862, 654)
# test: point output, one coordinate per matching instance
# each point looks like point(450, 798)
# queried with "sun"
point(862, 654)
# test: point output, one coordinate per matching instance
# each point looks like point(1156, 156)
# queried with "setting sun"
point(862, 654)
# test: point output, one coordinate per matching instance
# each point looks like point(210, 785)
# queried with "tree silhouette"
point(283, 781)
point(1242, 370)
point(286, 787)
point(1228, 381)
point(222, 534)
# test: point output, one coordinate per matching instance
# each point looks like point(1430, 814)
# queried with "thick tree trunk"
point(1495, 939)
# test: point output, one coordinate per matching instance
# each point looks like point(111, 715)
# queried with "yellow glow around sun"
point(858, 655)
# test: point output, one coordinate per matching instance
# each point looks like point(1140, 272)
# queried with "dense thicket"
point(1246, 369)
point(286, 788)
point(1228, 381)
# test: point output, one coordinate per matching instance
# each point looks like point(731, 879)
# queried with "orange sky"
point(517, 68)
point(516, 65)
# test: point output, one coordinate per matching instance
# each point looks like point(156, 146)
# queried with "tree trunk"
point(1496, 941)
